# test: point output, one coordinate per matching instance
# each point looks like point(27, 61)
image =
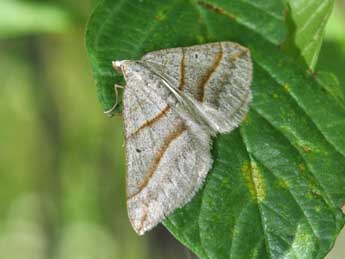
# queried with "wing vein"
point(151, 121)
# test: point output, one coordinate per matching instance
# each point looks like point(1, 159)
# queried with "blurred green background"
point(62, 187)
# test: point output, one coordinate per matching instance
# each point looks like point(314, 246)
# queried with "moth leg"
point(112, 109)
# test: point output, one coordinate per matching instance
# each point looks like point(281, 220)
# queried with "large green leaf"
point(278, 181)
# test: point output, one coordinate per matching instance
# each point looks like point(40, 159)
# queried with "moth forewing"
point(173, 102)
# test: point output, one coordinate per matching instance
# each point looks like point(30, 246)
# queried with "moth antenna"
point(164, 79)
point(154, 62)
point(173, 90)
point(160, 64)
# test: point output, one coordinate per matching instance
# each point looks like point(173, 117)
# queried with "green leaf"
point(309, 22)
point(278, 182)
point(332, 56)
point(21, 18)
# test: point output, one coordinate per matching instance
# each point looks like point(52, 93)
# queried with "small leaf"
point(277, 182)
point(309, 22)
point(332, 56)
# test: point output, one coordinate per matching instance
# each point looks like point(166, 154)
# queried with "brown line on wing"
point(163, 112)
point(203, 82)
point(151, 121)
point(177, 132)
point(182, 71)
point(232, 59)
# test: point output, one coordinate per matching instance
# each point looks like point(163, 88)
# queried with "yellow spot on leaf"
point(284, 184)
point(286, 88)
point(246, 120)
point(160, 17)
point(200, 39)
point(306, 149)
point(301, 167)
point(255, 181)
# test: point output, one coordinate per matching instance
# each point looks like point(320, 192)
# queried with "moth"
point(174, 102)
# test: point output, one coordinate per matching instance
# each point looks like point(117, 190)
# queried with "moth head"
point(118, 65)
point(129, 68)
